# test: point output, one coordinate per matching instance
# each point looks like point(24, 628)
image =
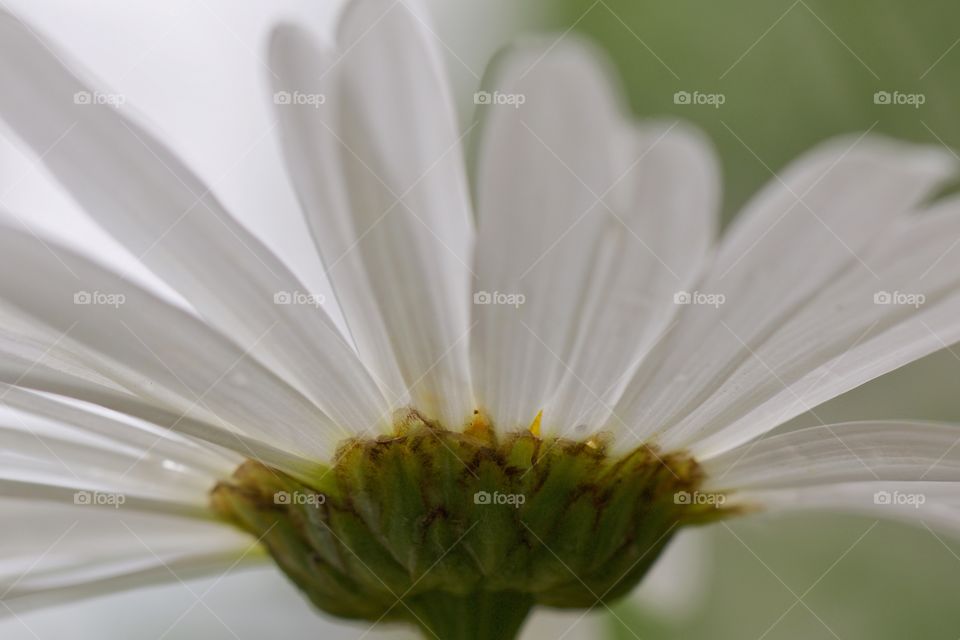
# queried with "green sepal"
point(462, 533)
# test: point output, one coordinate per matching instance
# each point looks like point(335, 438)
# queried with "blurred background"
point(791, 73)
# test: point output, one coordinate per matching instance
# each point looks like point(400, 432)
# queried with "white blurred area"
point(196, 73)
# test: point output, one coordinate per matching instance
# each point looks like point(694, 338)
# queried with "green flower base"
point(461, 533)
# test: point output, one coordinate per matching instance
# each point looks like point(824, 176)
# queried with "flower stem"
point(482, 615)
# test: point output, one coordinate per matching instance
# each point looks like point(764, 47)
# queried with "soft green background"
point(807, 70)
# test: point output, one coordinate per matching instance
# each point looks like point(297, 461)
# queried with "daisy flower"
point(549, 367)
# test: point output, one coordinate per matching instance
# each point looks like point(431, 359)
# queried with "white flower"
point(577, 276)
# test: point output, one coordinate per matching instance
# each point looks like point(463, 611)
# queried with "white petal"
point(239, 597)
point(842, 337)
point(32, 375)
point(662, 216)
point(903, 471)
point(932, 504)
point(814, 225)
point(312, 147)
point(34, 356)
point(49, 443)
point(542, 166)
point(25, 343)
point(160, 352)
point(72, 551)
point(846, 452)
point(379, 171)
point(103, 425)
point(156, 207)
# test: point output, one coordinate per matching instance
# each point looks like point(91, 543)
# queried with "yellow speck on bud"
point(480, 427)
point(535, 425)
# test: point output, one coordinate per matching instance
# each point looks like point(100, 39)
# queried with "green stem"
point(482, 615)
